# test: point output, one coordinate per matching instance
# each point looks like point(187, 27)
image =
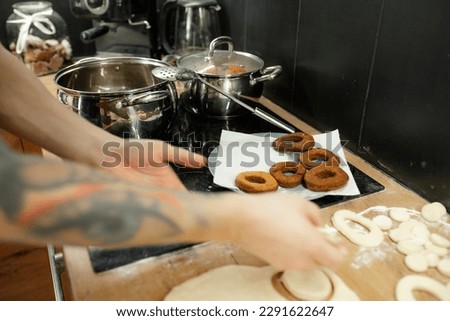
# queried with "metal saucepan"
point(237, 73)
point(175, 73)
point(119, 94)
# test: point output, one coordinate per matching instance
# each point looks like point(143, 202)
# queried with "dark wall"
point(74, 25)
point(377, 70)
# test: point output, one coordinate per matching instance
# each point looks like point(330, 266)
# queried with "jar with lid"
point(38, 35)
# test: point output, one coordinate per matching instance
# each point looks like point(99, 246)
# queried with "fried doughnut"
point(256, 182)
point(297, 170)
point(295, 142)
point(317, 156)
point(325, 178)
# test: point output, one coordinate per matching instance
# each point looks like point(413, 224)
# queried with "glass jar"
point(38, 35)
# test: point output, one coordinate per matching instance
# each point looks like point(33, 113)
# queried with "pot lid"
point(228, 63)
point(198, 3)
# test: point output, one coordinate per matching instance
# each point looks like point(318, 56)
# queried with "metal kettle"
point(188, 26)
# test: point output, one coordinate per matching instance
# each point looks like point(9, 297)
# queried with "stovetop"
point(202, 135)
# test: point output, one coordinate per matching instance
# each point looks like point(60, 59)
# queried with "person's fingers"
point(311, 211)
point(181, 156)
point(298, 263)
point(326, 253)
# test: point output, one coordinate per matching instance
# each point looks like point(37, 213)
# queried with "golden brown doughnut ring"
point(256, 182)
point(297, 170)
point(325, 178)
point(295, 142)
point(317, 156)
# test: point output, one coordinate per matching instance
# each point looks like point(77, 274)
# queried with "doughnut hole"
point(326, 174)
point(256, 180)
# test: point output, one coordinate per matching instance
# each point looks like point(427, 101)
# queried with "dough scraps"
point(416, 262)
point(409, 246)
point(430, 246)
point(405, 231)
point(244, 283)
point(432, 259)
point(383, 222)
point(439, 240)
point(399, 214)
point(433, 212)
point(444, 267)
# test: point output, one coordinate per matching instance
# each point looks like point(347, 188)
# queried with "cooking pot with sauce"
point(238, 73)
point(120, 95)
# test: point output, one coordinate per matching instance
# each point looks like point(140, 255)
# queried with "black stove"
point(202, 135)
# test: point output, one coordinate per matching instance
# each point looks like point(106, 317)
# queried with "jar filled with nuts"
point(38, 35)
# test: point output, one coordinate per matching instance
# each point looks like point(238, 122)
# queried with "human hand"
point(147, 161)
point(283, 231)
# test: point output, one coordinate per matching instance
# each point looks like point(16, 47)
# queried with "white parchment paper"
point(238, 152)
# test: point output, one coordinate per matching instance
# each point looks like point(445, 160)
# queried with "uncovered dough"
point(433, 212)
point(312, 285)
point(432, 259)
point(420, 234)
point(441, 251)
point(404, 291)
point(416, 262)
point(341, 292)
point(371, 239)
point(399, 214)
point(408, 230)
point(229, 283)
point(444, 267)
point(409, 246)
point(439, 240)
point(247, 283)
point(383, 222)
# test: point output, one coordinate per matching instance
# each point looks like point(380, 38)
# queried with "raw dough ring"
point(371, 239)
point(256, 182)
point(297, 170)
point(295, 142)
point(404, 290)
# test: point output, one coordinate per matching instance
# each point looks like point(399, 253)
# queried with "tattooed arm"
point(29, 110)
point(65, 203)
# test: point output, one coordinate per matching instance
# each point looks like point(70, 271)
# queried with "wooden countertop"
point(152, 278)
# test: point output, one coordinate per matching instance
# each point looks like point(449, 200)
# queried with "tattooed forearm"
point(54, 200)
point(19, 175)
point(105, 219)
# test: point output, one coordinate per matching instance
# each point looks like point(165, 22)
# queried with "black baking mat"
point(107, 259)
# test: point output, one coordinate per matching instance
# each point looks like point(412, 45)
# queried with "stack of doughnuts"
point(317, 168)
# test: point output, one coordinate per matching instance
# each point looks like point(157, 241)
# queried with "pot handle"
point(220, 41)
point(117, 106)
point(142, 98)
point(269, 73)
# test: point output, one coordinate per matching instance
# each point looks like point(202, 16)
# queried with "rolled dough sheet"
point(229, 283)
point(243, 283)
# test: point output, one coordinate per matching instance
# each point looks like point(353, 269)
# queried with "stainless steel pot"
point(120, 95)
point(238, 73)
